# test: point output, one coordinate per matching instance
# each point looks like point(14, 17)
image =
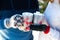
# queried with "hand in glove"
point(15, 21)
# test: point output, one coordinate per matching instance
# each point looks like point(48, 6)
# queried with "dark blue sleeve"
point(2, 24)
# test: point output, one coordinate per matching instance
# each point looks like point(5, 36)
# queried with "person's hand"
point(20, 22)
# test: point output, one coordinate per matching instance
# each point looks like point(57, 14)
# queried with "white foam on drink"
point(38, 17)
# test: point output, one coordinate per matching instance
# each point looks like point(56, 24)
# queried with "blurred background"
point(42, 5)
